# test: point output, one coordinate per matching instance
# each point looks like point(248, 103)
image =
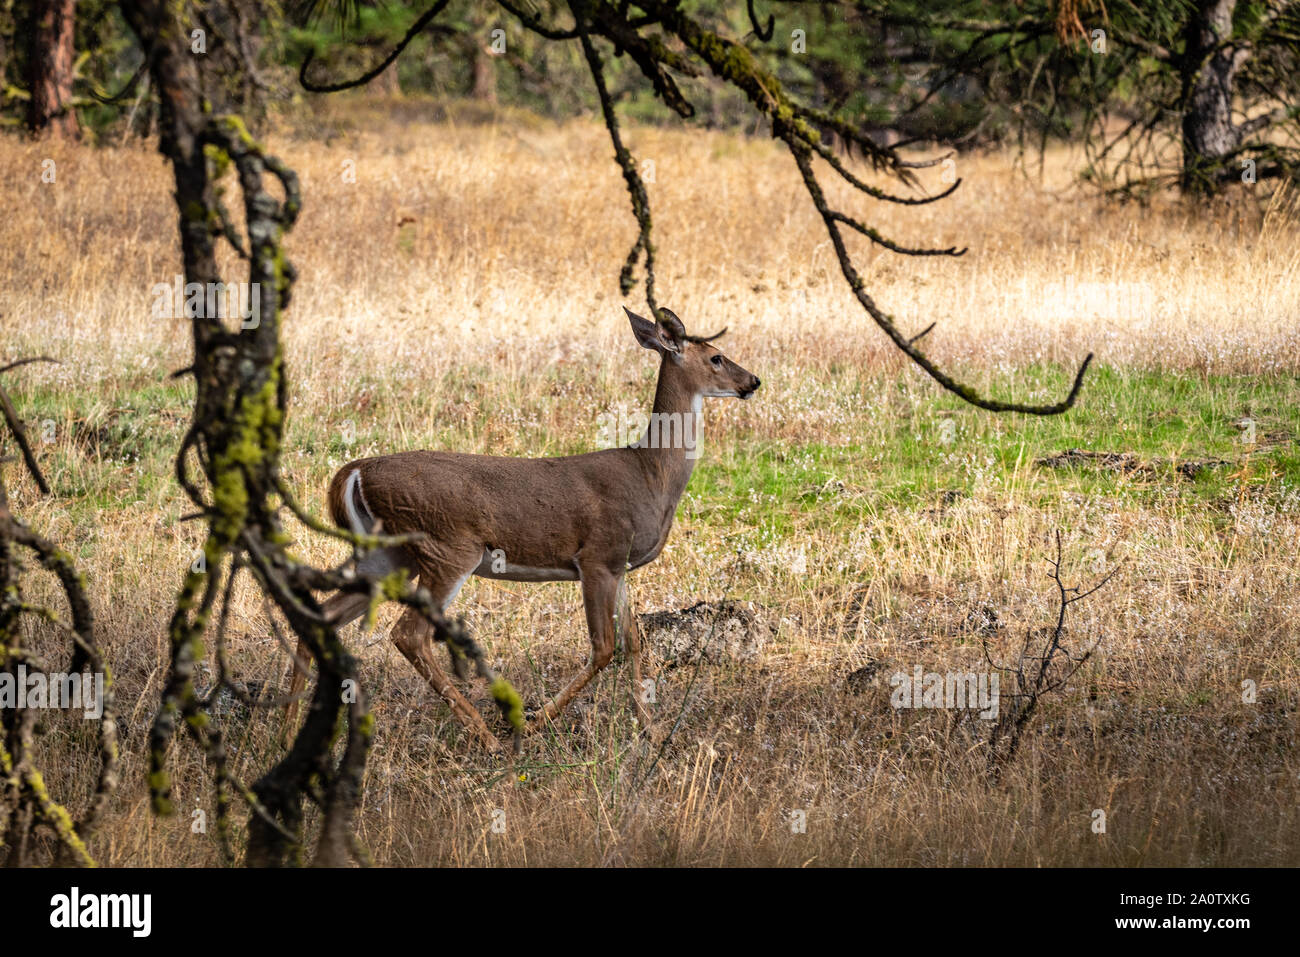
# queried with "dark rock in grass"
point(864, 679)
point(728, 631)
point(1128, 463)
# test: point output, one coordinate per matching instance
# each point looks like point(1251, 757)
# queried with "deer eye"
point(717, 361)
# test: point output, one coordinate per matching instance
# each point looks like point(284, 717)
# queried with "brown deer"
point(589, 518)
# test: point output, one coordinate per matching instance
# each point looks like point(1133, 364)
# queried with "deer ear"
point(674, 325)
point(651, 335)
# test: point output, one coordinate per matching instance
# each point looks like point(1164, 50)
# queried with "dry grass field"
point(458, 290)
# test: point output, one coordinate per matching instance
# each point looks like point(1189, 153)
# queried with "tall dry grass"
point(461, 293)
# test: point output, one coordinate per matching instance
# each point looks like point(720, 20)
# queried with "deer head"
point(694, 358)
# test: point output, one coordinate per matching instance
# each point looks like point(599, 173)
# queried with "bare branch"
point(15, 425)
point(415, 29)
point(763, 34)
point(635, 185)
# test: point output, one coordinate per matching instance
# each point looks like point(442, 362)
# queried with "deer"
point(590, 518)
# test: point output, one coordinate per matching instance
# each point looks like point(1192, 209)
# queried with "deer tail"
point(348, 503)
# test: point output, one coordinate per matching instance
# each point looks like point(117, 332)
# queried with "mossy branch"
point(25, 799)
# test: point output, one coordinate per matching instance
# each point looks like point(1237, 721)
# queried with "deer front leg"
point(630, 633)
point(600, 589)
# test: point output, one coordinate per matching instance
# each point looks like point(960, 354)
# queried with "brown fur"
point(590, 517)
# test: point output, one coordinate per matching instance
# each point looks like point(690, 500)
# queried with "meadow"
point(458, 290)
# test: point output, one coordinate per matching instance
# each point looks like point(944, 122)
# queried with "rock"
point(728, 631)
point(1128, 463)
point(228, 704)
point(982, 621)
point(863, 679)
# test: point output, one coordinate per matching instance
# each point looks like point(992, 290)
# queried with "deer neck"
point(671, 442)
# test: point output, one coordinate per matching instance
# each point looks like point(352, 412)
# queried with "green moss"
point(372, 611)
point(802, 129)
point(507, 698)
point(256, 438)
point(159, 784)
point(57, 816)
point(235, 126)
point(394, 585)
point(188, 597)
point(220, 159)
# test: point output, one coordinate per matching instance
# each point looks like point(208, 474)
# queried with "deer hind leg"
point(600, 588)
point(629, 632)
point(342, 609)
point(413, 637)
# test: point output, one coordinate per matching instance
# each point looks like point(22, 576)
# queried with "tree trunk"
point(388, 83)
point(235, 439)
point(50, 57)
point(1209, 72)
point(485, 75)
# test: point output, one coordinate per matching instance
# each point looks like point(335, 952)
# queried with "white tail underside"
point(354, 503)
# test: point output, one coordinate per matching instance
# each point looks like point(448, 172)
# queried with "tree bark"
point(485, 74)
point(51, 33)
point(1209, 72)
point(388, 82)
